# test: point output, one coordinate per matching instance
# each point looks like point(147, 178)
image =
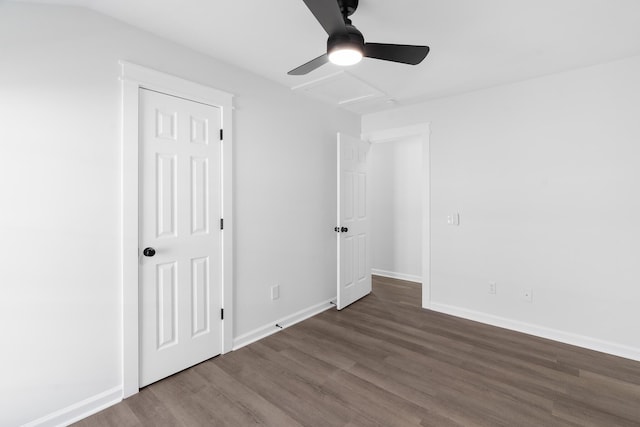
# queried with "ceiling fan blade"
point(327, 12)
point(309, 66)
point(406, 54)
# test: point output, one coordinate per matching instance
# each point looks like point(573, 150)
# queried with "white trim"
point(161, 82)
point(134, 77)
point(426, 215)
point(395, 275)
point(423, 131)
point(285, 322)
point(540, 331)
point(79, 410)
point(386, 135)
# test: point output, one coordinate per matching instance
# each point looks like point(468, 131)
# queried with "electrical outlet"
point(492, 287)
point(275, 292)
point(527, 295)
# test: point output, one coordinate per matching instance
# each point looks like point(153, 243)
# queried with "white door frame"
point(135, 77)
point(424, 132)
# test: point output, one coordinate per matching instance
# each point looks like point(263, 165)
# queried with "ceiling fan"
point(346, 45)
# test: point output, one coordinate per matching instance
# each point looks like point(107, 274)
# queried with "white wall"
point(545, 174)
point(396, 208)
point(60, 174)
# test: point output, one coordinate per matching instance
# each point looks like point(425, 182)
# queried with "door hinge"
point(222, 313)
point(221, 224)
point(221, 134)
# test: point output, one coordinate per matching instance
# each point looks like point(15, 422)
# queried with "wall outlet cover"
point(275, 292)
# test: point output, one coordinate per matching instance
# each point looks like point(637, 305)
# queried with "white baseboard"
point(285, 322)
point(80, 410)
point(540, 331)
point(394, 275)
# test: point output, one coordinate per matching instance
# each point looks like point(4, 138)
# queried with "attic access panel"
point(339, 89)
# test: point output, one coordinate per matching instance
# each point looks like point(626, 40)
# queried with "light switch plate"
point(492, 287)
point(453, 219)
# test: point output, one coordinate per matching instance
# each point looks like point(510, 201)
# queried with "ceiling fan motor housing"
point(353, 39)
point(347, 7)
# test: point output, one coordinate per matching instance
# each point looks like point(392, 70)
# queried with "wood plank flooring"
point(386, 362)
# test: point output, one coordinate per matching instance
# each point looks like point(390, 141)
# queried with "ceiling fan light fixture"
point(346, 45)
point(346, 48)
point(345, 56)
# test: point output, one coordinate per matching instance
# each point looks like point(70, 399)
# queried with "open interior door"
point(354, 259)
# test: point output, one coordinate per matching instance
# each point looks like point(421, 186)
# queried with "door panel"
point(181, 285)
point(199, 195)
point(354, 265)
point(167, 304)
point(347, 199)
point(167, 205)
point(200, 289)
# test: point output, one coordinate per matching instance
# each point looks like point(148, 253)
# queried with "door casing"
point(133, 78)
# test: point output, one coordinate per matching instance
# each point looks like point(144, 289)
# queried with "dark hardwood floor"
point(386, 362)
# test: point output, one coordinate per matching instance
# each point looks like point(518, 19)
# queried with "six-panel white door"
point(180, 209)
point(354, 259)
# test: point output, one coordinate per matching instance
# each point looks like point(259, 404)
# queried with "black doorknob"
point(344, 229)
point(149, 252)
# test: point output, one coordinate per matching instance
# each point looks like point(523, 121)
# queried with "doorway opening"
point(399, 196)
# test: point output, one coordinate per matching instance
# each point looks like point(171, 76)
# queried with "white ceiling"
point(474, 43)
